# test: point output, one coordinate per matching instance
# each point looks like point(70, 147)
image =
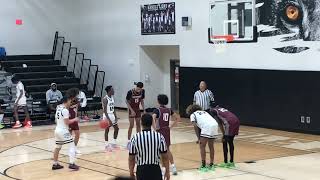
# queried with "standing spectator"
point(1, 114)
point(53, 96)
point(20, 102)
point(83, 104)
point(145, 150)
point(203, 97)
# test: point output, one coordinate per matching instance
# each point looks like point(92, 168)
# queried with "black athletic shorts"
point(149, 172)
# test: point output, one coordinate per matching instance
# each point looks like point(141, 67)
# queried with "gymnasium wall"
point(40, 21)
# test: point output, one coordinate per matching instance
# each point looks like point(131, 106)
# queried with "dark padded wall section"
point(263, 98)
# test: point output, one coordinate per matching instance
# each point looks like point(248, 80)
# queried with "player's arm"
point(129, 95)
point(176, 118)
point(196, 130)
point(142, 100)
point(132, 155)
point(20, 96)
point(154, 121)
point(65, 115)
point(105, 106)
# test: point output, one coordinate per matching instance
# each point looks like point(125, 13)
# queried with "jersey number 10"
point(166, 116)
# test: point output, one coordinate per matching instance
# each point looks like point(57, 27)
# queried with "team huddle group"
point(206, 123)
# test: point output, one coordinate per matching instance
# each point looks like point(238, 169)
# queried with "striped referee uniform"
point(203, 99)
point(146, 146)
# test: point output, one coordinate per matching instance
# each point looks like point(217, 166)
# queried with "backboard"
point(232, 21)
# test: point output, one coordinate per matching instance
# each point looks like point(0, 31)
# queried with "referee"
point(203, 97)
point(145, 150)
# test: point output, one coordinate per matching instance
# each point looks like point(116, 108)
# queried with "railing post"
point(55, 44)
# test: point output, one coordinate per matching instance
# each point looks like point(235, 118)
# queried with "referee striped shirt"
point(147, 146)
point(203, 99)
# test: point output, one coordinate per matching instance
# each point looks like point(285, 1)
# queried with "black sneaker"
point(73, 167)
point(56, 167)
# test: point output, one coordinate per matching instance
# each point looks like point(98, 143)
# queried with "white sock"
point(114, 141)
point(106, 143)
point(72, 153)
point(55, 162)
point(173, 165)
point(17, 122)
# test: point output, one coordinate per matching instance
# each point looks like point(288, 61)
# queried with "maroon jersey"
point(135, 98)
point(230, 121)
point(163, 122)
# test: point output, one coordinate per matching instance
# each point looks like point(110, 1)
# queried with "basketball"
point(104, 124)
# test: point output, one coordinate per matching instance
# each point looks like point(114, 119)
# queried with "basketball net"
point(220, 42)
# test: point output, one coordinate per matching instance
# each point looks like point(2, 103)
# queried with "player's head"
point(139, 86)
point(203, 86)
point(72, 94)
point(15, 79)
point(193, 108)
point(146, 121)
point(163, 99)
point(53, 86)
point(109, 90)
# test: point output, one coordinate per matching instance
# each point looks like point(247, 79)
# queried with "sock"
point(55, 162)
point(106, 143)
point(17, 122)
point(203, 163)
point(173, 165)
point(114, 141)
point(72, 153)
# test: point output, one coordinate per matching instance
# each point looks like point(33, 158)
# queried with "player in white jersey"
point(20, 103)
point(61, 133)
point(109, 114)
point(206, 128)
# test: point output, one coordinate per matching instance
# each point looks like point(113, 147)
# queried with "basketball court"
point(260, 154)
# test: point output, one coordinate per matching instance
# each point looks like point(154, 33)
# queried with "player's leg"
point(225, 149)
point(108, 147)
point(211, 149)
point(72, 156)
point(203, 144)
point(171, 160)
point(131, 125)
point(76, 137)
point(231, 147)
point(16, 116)
point(138, 121)
point(56, 151)
point(115, 135)
point(27, 121)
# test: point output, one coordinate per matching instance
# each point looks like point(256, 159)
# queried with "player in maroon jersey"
point(73, 112)
point(134, 99)
point(161, 123)
point(229, 124)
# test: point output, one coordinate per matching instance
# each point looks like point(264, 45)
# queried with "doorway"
point(174, 81)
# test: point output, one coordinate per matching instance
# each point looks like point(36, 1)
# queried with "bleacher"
point(65, 66)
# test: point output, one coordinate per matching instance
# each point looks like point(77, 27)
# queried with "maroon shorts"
point(72, 114)
point(166, 134)
point(138, 113)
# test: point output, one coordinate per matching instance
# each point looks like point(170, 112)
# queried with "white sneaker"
point(174, 170)
point(78, 151)
point(108, 148)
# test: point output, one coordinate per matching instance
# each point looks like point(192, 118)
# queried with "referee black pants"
point(149, 172)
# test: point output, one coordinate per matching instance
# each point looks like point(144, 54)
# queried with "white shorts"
point(62, 136)
point(22, 101)
point(210, 132)
point(112, 118)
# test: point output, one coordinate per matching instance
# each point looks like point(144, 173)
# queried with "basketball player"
point(74, 127)
point(109, 114)
point(161, 123)
point(20, 102)
point(229, 124)
point(134, 99)
point(206, 129)
point(62, 134)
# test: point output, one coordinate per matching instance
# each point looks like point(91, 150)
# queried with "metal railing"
point(75, 62)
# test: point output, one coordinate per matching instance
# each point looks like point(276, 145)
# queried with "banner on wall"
point(158, 19)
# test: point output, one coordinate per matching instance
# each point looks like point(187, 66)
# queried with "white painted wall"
point(40, 21)
point(155, 63)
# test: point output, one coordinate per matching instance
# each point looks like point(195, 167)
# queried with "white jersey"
point(110, 105)
point(61, 113)
point(20, 87)
point(207, 124)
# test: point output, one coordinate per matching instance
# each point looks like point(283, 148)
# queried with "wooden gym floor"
point(260, 154)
